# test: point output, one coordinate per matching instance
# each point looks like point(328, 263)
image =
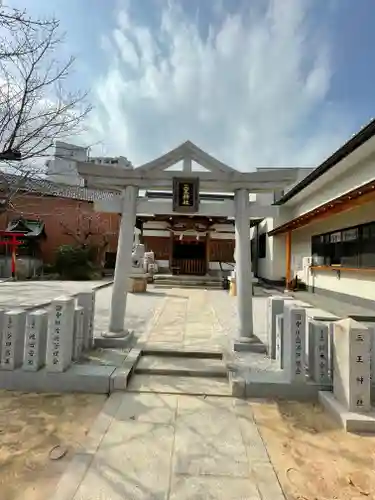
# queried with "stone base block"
point(351, 421)
point(283, 390)
point(110, 340)
point(268, 384)
point(138, 285)
point(78, 378)
point(121, 376)
point(252, 344)
point(238, 386)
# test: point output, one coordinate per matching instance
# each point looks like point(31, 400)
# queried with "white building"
point(62, 167)
point(325, 232)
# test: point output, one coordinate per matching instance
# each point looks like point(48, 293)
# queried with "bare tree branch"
point(10, 22)
point(36, 109)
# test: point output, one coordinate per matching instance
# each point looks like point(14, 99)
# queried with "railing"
point(189, 266)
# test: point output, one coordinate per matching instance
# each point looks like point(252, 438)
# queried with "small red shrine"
point(11, 240)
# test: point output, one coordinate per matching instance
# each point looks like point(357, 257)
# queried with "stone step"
point(187, 277)
point(179, 284)
point(181, 366)
point(192, 386)
point(154, 351)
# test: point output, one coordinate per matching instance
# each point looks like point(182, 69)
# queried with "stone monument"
point(60, 334)
point(13, 339)
point(294, 342)
point(279, 354)
point(350, 401)
point(275, 307)
point(2, 312)
point(318, 340)
point(78, 336)
point(35, 340)
point(87, 301)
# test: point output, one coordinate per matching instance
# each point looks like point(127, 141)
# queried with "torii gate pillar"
point(123, 261)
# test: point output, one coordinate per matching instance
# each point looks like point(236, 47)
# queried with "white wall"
point(336, 182)
point(272, 267)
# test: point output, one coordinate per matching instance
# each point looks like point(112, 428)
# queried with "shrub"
point(74, 262)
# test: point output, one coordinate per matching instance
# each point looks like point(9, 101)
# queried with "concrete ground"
point(157, 440)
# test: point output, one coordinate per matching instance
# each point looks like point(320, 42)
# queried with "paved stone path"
point(155, 442)
point(163, 446)
point(186, 320)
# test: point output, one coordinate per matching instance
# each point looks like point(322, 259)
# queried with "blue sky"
point(256, 83)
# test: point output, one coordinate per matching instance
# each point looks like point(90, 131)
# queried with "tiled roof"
point(47, 188)
point(31, 228)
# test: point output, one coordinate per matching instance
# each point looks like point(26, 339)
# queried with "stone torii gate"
point(215, 177)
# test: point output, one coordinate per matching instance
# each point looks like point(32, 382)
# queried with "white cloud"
point(253, 93)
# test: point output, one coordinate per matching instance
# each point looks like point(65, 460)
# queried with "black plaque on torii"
point(186, 194)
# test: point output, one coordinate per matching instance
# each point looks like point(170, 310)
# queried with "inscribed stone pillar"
point(35, 340)
point(87, 301)
point(2, 312)
point(123, 260)
point(294, 342)
point(78, 337)
point(13, 339)
point(275, 307)
point(243, 264)
point(371, 329)
point(351, 365)
point(279, 355)
point(318, 335)
point(60, 334)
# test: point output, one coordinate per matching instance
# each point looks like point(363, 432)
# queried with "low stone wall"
point(42, 342)
point(322, 355)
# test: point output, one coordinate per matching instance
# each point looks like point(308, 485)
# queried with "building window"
point(351, 247)
point(262, 246)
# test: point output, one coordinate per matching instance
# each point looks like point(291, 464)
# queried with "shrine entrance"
point(186, 187)
point(189, 255)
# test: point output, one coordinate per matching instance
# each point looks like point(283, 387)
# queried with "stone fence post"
point(13, 339)
point(87, 301)
point(318, 339)
point(351, 365)
point(294, 342)
point(35, 340)
point(60, 334)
